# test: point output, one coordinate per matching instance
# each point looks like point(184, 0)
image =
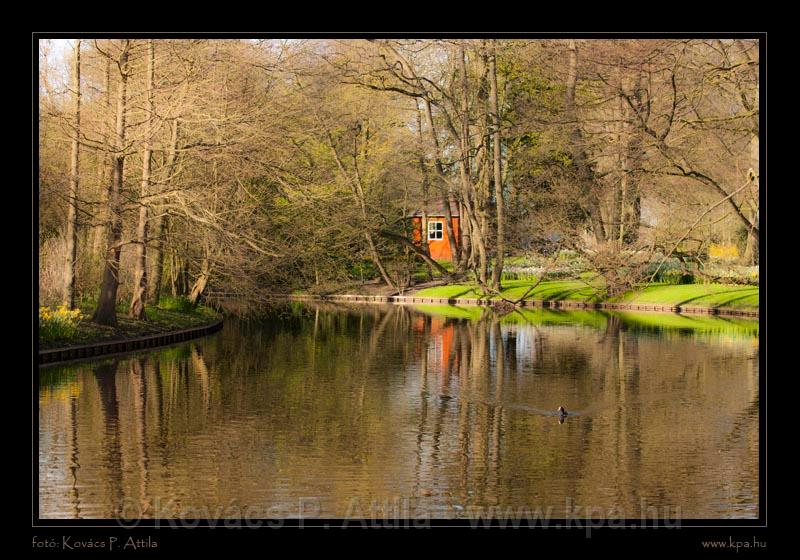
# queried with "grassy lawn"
point(695, 295)
point(512, 289)
point(159, 320)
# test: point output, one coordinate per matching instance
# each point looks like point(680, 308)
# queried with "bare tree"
point(497, 272)
point(275, 166)
point(74, 179)
point(106, 311)
point(585, 174)
point(140, 272)
point(162, 219)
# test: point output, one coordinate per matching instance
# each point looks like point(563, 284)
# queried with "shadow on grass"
point(724, 301)
point(467, 291)
point(564, 294)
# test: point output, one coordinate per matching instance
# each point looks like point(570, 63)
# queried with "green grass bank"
point(172, 314)
point(696, 295)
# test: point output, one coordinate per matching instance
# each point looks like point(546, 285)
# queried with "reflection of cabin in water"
point(431, 223)
point(437, 352)
point(441, 353)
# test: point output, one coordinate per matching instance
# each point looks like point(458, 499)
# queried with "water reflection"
point(331, 411)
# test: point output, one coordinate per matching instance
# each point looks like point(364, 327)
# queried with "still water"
point(392, 411)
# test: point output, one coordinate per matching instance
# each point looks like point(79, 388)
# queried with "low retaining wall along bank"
point(129, 345)
point(551, 304)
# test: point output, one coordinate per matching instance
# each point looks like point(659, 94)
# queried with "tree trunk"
point(468, 191)
point(751, 253)
point(173, 274)
point(497, 272)
point(72, 209)
point(357, 190)
point(464, 240)
point(423, 237)
point(140, 273)
point(200, 283)
point(106, 312)
point(750, 256)
point(630, 210)
point(183, 279)
point(455, 249)
point(376, 258)
point(158, 267)
point(618, 215)
point(585, 176)
point(162, 223)
point(478, 243)
point(634, 161)
point(103, 166)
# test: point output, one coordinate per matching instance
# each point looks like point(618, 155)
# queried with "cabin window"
point(435, 230)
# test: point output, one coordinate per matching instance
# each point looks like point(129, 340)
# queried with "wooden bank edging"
point(406, 300)
point(117, 346)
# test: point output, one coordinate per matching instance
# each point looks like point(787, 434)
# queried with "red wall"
point(439, 248)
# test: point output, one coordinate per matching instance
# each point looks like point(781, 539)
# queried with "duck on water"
point(560, 413)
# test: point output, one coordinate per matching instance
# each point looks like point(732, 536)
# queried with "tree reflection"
point(372, 402)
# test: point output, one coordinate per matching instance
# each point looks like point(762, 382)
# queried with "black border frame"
point(204, 538)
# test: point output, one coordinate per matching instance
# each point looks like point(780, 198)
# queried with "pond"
point(382, 411)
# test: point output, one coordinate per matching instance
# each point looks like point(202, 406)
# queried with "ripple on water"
point(359, 409)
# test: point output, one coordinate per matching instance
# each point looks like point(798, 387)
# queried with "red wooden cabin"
point(435, 230)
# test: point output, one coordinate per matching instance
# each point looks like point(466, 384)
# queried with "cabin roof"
point(436, 211)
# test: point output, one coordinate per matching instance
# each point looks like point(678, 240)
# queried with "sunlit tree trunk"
point(469, 195)
point(200, 283)
point(106, 312)
point(750, 256)
point(617, 224)
point(498, 175)
point(72, 208)
point(103, 167)
point(140, 274)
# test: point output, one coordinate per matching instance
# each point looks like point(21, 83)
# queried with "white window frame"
point(435, 233)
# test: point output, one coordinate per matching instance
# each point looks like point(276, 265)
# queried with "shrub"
point(731, 273)
point(59, 323)
point(363, 270)
point(568, 264)
point(176, 303)
point(668, 272)
point(671, 272)
point(723, 252)
point(519, 272)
